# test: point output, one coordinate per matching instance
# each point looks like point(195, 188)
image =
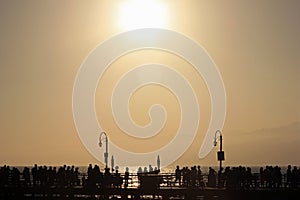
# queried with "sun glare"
point(143, 14)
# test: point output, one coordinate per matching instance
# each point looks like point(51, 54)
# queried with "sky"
point(255, 45)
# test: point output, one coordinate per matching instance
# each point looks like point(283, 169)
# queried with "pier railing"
point(160, 180)
point(168, 180)
point(145, 186)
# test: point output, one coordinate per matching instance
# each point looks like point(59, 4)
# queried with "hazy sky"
point(255, 44)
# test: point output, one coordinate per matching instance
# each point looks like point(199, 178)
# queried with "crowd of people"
point(230, 177)
point(63, 176)
point(105, 179)
point(239, 177)
point(39, 176)
point(189, 176)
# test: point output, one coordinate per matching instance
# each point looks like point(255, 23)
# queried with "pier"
point(135, 193)
point(147, 186)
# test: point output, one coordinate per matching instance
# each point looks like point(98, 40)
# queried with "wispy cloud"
point(278, 145)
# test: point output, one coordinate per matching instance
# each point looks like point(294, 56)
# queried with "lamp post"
point(106, 147)
point(220, 154)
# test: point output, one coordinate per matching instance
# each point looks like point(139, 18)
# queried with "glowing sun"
point(143, 14)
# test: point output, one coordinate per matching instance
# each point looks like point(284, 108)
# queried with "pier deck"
point(153, 186)
point(80, 192)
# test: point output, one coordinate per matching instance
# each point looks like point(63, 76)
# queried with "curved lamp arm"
point(106, 147)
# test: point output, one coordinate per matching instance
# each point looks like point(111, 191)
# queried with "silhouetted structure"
point(187, 182)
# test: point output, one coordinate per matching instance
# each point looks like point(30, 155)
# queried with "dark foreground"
point(68, 183)
point(78, 192)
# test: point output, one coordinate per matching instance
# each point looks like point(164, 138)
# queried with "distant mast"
point(158, 162)
point(112, 163)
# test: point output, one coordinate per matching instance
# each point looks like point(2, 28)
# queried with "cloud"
point(292, 129)
point(278, 145)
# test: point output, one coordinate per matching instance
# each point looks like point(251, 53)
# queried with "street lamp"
point(106, 147)
point(220, 153)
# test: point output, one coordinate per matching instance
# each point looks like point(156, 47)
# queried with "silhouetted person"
point(26, 176)
point(227, 175)
point(4, 175)
point(185, 176)
point(51, 176)
point(34, 175)
point(76, 176)
point(295, 177)
point(193, 176)
point(262, 177)
point(267, 172)
point(150, 168)
point(178, 175)
point(126, 177)
point(277, 176)
point(145, 170)
point(220, 178)
point(140, 170)
point(97, 175)
point(107, 181)
point(289, 176)
point(90, 175)
point(199, 177)
point(117, 179)
point(248, 178)
point(61, 176)
point(211, 177)
point(43, 175)
point(15, 177)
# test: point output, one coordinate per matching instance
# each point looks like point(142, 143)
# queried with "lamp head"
point(215, 142)
point(100, 143)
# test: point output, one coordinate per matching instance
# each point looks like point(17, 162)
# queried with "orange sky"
point(255, 45)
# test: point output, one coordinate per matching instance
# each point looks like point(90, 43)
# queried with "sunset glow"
point(143, 14)
point(255, 45)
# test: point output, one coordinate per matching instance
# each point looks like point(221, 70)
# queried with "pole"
point(158, 162)
point(106, 148)
point(106, 151)
point(220, 151)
